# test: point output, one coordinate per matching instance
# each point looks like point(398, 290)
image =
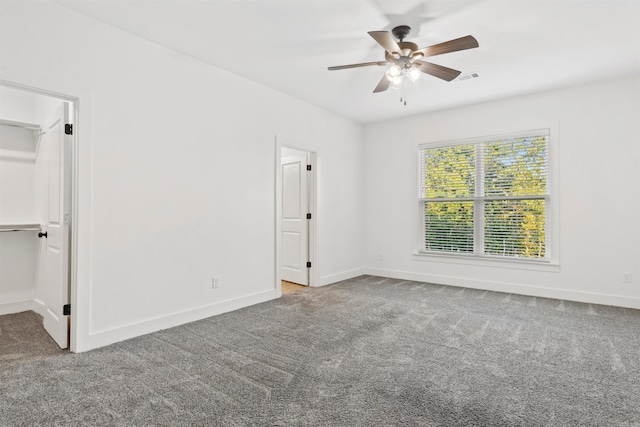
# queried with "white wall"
point(17, 167)
point(176, 174)
point(597, 130)
point(18, 250)
point(18, 263)
point(17, 105)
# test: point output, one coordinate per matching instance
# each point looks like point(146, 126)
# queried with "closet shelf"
point(13, 123)
point(20, 227)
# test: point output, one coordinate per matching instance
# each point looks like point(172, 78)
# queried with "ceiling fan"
point(405, 57)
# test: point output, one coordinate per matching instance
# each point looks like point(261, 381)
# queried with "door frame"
point(285, 142)
point(42, 86)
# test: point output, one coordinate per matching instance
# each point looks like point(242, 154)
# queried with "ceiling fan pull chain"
point(404, 95)
point(403, 92)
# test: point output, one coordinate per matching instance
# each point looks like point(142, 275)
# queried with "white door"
point(294, 217)
point(53, 289)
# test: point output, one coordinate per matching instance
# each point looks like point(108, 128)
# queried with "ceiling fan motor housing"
point(401, 31)
point(407, 49)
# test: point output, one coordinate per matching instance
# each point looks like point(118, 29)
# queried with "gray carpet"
point(23, 340)
point(364, 352)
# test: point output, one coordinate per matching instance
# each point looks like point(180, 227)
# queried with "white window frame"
point(478, 257)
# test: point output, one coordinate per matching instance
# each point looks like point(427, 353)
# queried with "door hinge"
point(308, 167)
point(66, 310)
point(308, 216)
point(308, 264)
point(68, 129)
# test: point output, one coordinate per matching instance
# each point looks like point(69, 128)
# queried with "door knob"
point(41, 234)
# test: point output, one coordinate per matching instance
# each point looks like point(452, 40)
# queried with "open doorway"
point(295, 218)
point(36, 198)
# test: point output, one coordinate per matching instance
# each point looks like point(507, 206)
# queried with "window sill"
point(487, 261)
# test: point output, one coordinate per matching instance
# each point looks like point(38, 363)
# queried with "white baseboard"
point(121, 333)
point(338, 277)
point(16, 306)
point(513, 288)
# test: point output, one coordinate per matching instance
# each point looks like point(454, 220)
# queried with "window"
point(486, 198)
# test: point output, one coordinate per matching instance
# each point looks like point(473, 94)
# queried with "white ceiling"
point(525, 46)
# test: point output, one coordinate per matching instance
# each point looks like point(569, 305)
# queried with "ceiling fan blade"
point(362, 64)
point(466, 42)
point(382, 85)
point(386, 40)
point(438, 71)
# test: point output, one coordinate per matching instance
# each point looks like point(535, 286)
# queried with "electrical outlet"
point(215, 283)
point(626, 277)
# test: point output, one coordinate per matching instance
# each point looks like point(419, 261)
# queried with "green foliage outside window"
point(515, 167)
point(449, 227)
point(515, 228)
point(449, 174)
point(502, 182)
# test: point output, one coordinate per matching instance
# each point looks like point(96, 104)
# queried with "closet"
point(35, 223)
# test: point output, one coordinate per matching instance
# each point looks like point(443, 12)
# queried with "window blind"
point(515, 167)
point(515, 228)
point(448, 172)
point(486, 197)
point(449, 227)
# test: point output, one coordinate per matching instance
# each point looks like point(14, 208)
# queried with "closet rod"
point(24, 125)
point(20, 227)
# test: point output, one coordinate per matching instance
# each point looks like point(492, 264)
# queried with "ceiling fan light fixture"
point(394, 71)
point(394, 75)
point(396, 81)
point(414, 74)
